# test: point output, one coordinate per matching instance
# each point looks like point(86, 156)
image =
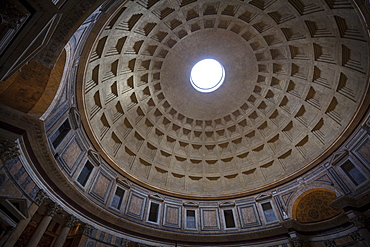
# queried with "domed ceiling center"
point(229, 49)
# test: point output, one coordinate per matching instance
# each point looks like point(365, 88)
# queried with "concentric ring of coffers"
point(307, 75)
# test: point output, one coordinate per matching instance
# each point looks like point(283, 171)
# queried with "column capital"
point(356, 236)
point(8, 150)
point(330, 243)
point(296, 240)
point(141, 245)
point(70, 220)
point(359, 221)
point(125, 242)
point(40, 197)
point(356, 219)
point(52, 209)
point(87, 229)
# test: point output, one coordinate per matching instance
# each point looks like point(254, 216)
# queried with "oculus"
point(207, 75)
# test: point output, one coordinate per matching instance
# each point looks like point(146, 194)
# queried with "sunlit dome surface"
point(284, 104)
point(207, 75)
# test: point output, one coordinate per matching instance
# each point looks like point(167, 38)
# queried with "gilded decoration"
point(314, 205)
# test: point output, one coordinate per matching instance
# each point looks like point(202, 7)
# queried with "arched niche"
point(33, 88)
point(314, 205)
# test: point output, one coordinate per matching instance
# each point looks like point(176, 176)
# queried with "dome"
point(294, 81)
point(108, 138)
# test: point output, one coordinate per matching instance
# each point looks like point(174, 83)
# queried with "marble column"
point(41, 196)
point(70, 221)
point(51, 210)
point(84, 235)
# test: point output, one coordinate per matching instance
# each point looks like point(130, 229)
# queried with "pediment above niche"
point(75, 118)
point(16, 208)
point(191, 204)
point(95, 156)
point(124, 182)
point(156, 197)
point(263, 196)
point(226, 204)
point(338, 156)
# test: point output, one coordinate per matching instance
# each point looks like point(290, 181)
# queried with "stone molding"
point(349, 201)
point(335, 221)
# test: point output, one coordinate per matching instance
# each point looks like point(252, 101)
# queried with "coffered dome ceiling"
point(295, 78)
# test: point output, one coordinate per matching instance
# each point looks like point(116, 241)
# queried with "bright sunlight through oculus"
point(207, 75)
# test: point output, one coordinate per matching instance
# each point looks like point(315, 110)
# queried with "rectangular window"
point(58, 136)
point(268, 211)
point(153, 212)
point(353, 173)
point(229, 218)
point(85, 173)
point(190, 219)
point(118, 198)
